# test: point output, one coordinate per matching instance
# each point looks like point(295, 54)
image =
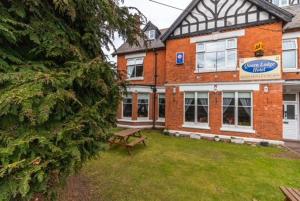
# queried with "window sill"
point(292, 70)
point(197, 126)
point(160, 120)
point(136, 78)
point(136, 121)
point(216, 71)
point(238, 130)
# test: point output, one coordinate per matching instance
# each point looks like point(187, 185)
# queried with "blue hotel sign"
point(262, 68)
point(180, 58)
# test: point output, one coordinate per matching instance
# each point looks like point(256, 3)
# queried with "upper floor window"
point(135, 68)
point(281, 3)
point(218, 55)
point(289, 55)
point(151, 34)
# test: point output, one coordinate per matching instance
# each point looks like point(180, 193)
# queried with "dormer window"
point(281, 3)
point(151, 34)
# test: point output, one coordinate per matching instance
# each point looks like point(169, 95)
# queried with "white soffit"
point(131, 56)
point(220, 87)
point(218, 36)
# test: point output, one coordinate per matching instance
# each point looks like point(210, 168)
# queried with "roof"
point(267, 6)
point(295, 23)
point(154, 44)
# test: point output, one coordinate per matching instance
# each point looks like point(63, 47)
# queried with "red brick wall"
point(267, 113)
point(149, 68)
point(272, 41)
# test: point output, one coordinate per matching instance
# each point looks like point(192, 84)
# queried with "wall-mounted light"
point(266, 89)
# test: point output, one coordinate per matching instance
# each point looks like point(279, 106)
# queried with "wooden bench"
point(122, 138)
point(291, 194)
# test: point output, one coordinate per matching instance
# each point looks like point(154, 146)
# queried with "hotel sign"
point(262, 68)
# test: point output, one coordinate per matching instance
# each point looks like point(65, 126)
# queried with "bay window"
point(237, 109)
point(290, 54)
point(127, 106)
point(218, 55)
point(161, 106)
point(135, 68)
point(143, 105)
point(197, 107)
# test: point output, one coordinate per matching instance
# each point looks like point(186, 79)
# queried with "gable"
point(206, 16)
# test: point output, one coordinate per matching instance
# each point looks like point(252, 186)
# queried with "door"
point(290, 117)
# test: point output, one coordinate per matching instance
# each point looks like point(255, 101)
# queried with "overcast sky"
point(161, 16)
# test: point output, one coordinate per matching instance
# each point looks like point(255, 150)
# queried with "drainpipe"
point(155, 88)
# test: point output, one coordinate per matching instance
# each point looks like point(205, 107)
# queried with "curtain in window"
point(245, 101)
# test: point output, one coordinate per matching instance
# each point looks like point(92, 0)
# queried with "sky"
point(161, 16)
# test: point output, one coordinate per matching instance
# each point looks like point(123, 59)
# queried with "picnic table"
point(122, 138)
point(291, 194)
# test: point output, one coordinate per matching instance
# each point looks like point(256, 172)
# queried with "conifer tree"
point(58, 92)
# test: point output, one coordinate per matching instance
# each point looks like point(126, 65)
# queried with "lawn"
point(180, 169)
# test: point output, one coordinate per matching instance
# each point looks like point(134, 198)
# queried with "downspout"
point(154, 88)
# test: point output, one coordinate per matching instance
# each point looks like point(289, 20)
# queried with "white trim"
point(218, 36)
point(220, 87)
point(237, 129)
point(128, 126)
point(246, 139)
point(288, 83)
point(133, 56)
point(139, 89)
point(234, 69)
point(161, 90)
point(196, 126)
point(226, 83)
point(291, 35)
point(135, 78)
point(291, 70)
point(161, 120)
point(135, 121)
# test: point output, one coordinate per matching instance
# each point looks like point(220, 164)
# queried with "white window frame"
point(236, 127)
point(148, 108)
point(280, 3)
point(196, 124)
point(296, 58)
point(127, 118)
point(227, 49)
point(134, 65)
point(151, 34)
point(159, 118)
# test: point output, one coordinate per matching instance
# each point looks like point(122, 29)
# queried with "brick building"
point(226, 68)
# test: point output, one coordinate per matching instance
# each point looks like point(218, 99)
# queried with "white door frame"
point(287, 121)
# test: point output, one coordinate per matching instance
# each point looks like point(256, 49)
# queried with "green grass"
point(179, 169)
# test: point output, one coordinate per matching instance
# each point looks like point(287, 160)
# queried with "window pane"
point(276, 2)
point(202, 116)
point(131, 71)
point(228, 99)
point(220, 60)
point(231, 58)
point(190, 107)
point(231, 43)
point(130, 62)
point(200, 61)
point(291, 112)
point(244, 99)
point(127, 106)
point(143, 105)
point(289, 44)
point(210, 60)
point(139, 71)
point(289, 59)
point(200, 47)
point(289, 97)
point(244, 116)
point(139, 61)
point(161, 107)
point(228, 115)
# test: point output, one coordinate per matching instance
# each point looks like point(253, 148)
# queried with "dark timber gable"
point(206, 16)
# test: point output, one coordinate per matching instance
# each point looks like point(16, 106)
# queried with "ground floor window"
point(196, 107)
point(127, 106)
point(161, 106)
point(237, 109)
point(143, 105)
